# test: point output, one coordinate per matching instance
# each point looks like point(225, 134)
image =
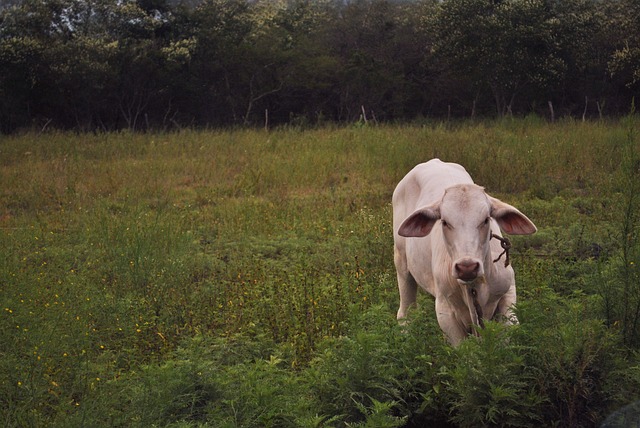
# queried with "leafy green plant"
point(489, 383)
point(573, 361)
point(377, 415)
point(629, 273)
point(381, 370)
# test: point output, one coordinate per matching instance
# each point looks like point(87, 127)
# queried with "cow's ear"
point(420, 223)
point(511, 220)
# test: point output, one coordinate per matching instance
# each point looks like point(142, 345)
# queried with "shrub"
point(381, 368)
point(573, 360)
point(489, 381)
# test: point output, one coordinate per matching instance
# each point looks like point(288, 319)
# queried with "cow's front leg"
point(453, 329)
point(504, 310)
point(408, 290)
point(407, 286)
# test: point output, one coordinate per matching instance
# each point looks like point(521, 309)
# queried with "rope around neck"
point(506, 246)
point(478, 308)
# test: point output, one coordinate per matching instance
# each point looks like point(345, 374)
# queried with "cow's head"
point(464, 214)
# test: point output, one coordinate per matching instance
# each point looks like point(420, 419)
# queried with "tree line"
point(95, 65)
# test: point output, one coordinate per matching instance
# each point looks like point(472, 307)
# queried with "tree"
point(20, 59)
point(584, 41)
point(27, 32)
point(304, 69)
point(371, 76)
point(76, 63)
point(219, 29)
point(503, 45)
point(141, 64)
point(625, 60)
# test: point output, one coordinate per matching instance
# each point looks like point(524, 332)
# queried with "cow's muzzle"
point(467, 270)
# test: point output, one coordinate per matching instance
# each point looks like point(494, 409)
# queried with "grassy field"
point(245, 278)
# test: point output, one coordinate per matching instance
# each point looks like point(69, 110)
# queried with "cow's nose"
point(467, 270)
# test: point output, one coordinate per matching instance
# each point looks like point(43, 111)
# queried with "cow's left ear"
point(420, 223)
point(511, 220)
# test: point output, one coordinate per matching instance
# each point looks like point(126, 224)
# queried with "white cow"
point(447, 235)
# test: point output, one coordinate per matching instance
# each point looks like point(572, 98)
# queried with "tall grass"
point(245, 278)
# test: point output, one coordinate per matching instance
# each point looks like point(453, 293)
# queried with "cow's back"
point(424, 185)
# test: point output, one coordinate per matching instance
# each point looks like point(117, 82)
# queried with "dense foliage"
point(161, 64)
point(246, 279)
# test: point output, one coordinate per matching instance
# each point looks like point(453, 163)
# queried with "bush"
point(573, 360)
point(489, 382)
point(353, 375)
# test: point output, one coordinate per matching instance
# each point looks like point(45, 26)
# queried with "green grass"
point(245, 278)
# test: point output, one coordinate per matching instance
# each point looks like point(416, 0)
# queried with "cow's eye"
point(486, 221)
point(444, 223)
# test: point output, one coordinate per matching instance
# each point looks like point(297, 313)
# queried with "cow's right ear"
point(420, 223)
